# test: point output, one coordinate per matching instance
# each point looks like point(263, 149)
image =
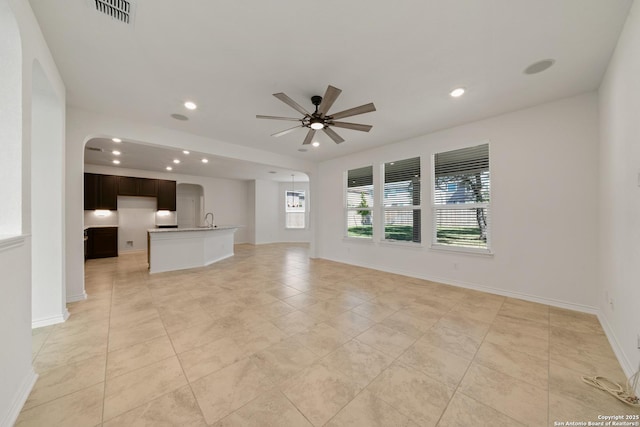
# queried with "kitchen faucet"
point(209, 224)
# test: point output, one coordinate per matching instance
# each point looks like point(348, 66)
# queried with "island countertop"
point(177, 230)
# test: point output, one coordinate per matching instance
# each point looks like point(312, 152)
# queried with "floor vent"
point(120, 10)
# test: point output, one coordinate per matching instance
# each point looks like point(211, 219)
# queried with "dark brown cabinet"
point(166, 195)
point(130, 186)
point(100, 192)
point(147, 187)
point(102, 242)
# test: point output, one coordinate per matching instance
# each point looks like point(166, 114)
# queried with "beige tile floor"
point(271, 338)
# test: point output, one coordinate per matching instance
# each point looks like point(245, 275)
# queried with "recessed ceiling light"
point(180, 117)
point(176, 161)
point(169, 168)
point(186, 151)
point(116, 162)
point(190, 105)
point(315, 143)
point(458, 92)
point(116, 139)
point(205, 160)
point(115, 152)
point(540, 66)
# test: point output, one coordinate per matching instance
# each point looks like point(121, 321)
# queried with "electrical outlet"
point(129, 242)
point(455, 265)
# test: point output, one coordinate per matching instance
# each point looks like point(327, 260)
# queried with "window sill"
point(11, 241)
point(402, 244)
point(460, 250)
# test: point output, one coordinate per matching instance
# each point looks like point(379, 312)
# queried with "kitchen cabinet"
point(147, 187)
point(166, 195)
point(102, 242)
point(100, 192)
point(144, 187)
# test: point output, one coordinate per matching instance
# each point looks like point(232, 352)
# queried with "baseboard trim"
point(53, 320)
point(19, 400)
point(482, 288)
point(75, 298)
point(624, 361)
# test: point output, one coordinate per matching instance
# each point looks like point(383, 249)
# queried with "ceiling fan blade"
point(328, 99)
point(286, 131)
point(291, 103)
point(309, 137)
point(336, 138)
point(354, 126)
point(277, 118)
point(366, 108)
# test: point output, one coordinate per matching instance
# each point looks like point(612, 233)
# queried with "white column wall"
point(619, 196)
point(47, 203)
point(543, 208)
point(19, 29)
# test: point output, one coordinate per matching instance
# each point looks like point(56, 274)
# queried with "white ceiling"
point(405, 56)
point(155, 158)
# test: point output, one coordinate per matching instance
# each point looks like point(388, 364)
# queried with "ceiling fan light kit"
point(320, 119)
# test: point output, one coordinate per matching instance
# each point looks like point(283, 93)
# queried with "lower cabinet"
point(102, 242)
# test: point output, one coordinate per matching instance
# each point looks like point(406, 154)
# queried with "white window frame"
point(348, 211)
point(288, 209)
point(461, 206)
point(411, 208)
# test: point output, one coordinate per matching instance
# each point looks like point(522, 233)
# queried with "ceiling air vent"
point(95, 149)
point(120, 10)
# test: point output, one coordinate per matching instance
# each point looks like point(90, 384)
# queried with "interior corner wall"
point(295, 235)
point(251, 212)
point(543, 209)
point(266, 211)
point(619, 196)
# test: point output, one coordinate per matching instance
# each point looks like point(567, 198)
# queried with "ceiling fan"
point(320, 119)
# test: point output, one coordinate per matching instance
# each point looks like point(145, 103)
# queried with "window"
point(402, 200)
point(294, 209)
point(359, 202)
point(461, 198)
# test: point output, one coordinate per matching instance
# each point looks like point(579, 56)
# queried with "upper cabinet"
point(100, 192)
point(166, 195)
point(130, 186)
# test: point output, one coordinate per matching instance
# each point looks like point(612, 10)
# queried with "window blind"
point(402, 214)
point(461, 196)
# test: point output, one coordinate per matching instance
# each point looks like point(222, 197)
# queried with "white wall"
point(21, 43)
point(266, 211)
point(251, 212)
point(226, 198)
point(189, 199)
point(619, 195)
point(292, 234)
point(135, 216)
point(47, 203)
point(544, 209)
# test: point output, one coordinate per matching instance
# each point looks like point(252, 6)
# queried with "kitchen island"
point(170, 249)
